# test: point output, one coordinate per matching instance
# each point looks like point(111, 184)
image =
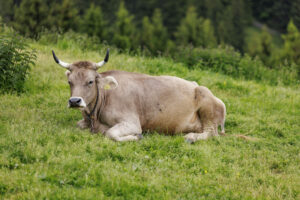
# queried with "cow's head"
point(85, 81)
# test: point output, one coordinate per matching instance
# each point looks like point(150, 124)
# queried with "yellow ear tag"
point(107, 87)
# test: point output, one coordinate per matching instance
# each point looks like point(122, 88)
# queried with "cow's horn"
point(61, 63)
point(100, 64)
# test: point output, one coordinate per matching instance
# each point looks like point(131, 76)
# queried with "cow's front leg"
point(99, 127)
point(83, 124)
point(125, 131)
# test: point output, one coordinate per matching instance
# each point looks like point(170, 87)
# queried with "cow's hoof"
point(189, 141)
point(190, 138)
point(140, 136)
point(83, 124)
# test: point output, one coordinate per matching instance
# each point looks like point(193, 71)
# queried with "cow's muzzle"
point(75, 102)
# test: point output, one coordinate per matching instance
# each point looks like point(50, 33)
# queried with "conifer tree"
point(124, 29)
point(65, 16)
point(207, 36)
point(31, 17)
point(239, 23)
point(260, 44)
point(146, 33)
point(231, 24)
point(187, 31)
point(295, 12)
point(154, 35)
point(291, 49)
point(93, 22)
point(266, 46)
point(6, 10)
point(196, 31)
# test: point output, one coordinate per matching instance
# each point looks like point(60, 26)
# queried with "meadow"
point(43, 155)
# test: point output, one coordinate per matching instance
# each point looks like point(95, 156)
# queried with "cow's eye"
point(69, 82)
point(91, 82)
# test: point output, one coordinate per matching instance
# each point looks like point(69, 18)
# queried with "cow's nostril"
point(74, 101)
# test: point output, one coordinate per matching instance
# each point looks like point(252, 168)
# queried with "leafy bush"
point(15, 61)
point(230, 62)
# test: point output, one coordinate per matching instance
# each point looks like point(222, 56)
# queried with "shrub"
point(232, 63)
point(15, 61)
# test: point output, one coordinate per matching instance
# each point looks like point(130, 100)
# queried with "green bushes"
point(15, 61)
point(232, 63)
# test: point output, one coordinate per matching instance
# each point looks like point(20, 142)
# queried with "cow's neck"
point(92, 107)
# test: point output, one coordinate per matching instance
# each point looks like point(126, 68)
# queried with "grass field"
point(44, 156)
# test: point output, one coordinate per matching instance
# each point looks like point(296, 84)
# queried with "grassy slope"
point(43, 154)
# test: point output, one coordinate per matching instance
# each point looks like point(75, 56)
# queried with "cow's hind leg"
point(209, 130)
point(125, 131)
point(193, 137)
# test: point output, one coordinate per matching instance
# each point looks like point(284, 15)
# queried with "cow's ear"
point(67, 73)
point(108, 83)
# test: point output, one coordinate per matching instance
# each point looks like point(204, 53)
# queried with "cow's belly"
point(172, 123)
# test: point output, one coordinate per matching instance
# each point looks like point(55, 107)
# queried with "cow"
point(121, 105)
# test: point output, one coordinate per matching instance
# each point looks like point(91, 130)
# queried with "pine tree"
point(232, 24)
point(146, 34)
point(31, 17)
point(6, 10)
point(195, 31)
point(208, 38)
point(124, 29)
point(154, 35)
point(266, 46)
point(64, 16)
point(93, 23)
point(239, 24)
point(291, 49)
point(187, 31)
point(260, 44)
point(295, 12)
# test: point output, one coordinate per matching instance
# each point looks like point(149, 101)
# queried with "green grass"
point(44, 156)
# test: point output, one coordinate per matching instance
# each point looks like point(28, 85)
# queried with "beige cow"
point(122, 105)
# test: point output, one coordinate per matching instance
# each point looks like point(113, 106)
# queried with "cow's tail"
point(222, 124)
point(222, 128)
